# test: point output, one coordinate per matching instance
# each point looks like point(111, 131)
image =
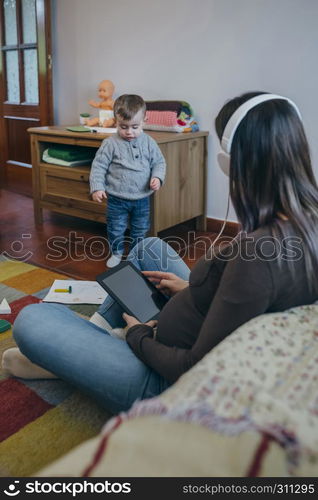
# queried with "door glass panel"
point(29, 21)
point(31, 76)
point(10, 22)
point(13, 85)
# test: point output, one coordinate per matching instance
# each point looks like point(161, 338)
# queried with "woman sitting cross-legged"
point(271, 266)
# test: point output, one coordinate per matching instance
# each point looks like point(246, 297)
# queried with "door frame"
point(44, 50)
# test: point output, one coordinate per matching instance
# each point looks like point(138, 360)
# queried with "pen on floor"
point(64, 290)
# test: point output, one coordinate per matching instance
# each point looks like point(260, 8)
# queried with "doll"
point(105, 93)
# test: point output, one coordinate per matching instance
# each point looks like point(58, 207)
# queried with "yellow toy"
point(106, 118)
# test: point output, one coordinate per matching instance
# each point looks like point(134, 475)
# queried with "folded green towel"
point(56, 161)
point(71, 153)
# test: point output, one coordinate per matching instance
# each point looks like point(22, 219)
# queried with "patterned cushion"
point(254, 397)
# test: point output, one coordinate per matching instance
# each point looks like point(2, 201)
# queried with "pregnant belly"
point(179, 322)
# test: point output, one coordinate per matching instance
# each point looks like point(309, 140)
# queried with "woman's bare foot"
point(16, 364)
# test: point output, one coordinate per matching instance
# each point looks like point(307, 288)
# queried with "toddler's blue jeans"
point(119, 213)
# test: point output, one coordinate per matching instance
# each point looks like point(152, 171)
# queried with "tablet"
point(133, 291)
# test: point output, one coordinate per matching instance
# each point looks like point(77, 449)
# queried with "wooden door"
point(25, 86)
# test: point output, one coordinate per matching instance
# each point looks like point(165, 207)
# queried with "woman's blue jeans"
point(86, 356)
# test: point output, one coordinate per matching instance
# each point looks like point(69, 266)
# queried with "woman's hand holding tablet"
point(131, 321)
point(133, 291)
point(167, 283)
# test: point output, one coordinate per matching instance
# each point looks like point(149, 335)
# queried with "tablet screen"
point(134, 292)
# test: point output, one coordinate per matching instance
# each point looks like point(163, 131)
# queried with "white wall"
point(203, 52)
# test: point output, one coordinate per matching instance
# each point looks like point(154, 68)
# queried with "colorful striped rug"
point(40, 420)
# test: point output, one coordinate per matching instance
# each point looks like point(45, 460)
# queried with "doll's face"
point(105, 90)
point(130, 129)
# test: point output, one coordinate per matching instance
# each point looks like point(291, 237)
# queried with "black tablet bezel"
point(117, 268)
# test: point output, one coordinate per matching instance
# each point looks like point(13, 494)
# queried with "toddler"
point(129, 167)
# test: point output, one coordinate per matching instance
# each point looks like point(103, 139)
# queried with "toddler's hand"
point(99, 195)
point(155, 184)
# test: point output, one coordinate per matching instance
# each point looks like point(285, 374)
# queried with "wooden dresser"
point(66, 189)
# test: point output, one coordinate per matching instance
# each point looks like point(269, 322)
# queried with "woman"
point(275, 196)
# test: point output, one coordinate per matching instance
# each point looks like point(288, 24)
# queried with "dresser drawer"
point(68, 187)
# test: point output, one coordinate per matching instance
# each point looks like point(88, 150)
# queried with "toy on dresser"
point(170, 116)
point(105, 105)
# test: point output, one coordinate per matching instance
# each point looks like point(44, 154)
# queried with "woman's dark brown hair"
point(271, 176)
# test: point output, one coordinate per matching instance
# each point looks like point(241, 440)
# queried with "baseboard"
point(215, 225)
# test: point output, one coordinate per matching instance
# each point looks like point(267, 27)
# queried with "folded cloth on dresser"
point(56, 161)
point(68, 156)
point(67, 152)
point(170, 116)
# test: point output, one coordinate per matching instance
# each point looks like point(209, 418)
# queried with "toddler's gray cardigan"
point(124, 168)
